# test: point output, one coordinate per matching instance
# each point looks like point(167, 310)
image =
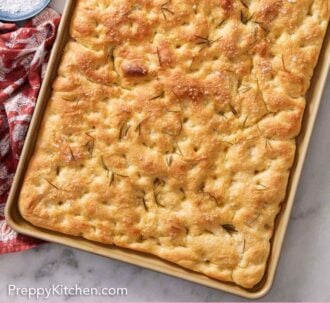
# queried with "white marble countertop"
point(303, 273)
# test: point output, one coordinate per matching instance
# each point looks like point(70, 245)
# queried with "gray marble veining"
point(303, 272)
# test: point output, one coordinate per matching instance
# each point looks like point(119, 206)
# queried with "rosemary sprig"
point(253, 221)
point(158, 183)
point(229, 228)
point(233, 110)
point(259, 130)
point(205, 42)
point(127, 13)
point(142, 197)
point(175, 134)
point(90, 144)
point(52, 184)
point(202, 40)
point(268, 144)
point(165, 10)
point(145, 204)
point(90, 136)
point(159, 58)
point(169, 160)
point(138, 129)
point(284, 65)
point(105, 167)
point(248, 140)
point(244, 3)
point(261, 25)
point(125, 88)
point(90, 80)
point(245, 89)
point(222, 22)
point(77, 102)
point(245, 19)
point(112, 178)
point(111, 55)
point(71, 154)
point(212, 197)
point(90, 147)
point(263, 187)
point(177, 148)
point(222, 114)
point(161, 95)
point(261, 94)
point(121, 175)
point(69, 98)
point(226, 142)
point(245, 121)
point(124, 130)
point(58, 169)
point(112, 59)
point(156, 194)
point(139, 126)
point(184, 193)
point(174, 111)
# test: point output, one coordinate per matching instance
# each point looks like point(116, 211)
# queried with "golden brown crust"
point(171, 128)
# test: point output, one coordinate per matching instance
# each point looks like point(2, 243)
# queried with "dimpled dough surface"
point(171, 128)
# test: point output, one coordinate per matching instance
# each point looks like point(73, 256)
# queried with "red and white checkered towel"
point(24, 53)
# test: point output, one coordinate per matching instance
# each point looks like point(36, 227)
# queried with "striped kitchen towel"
point(24, 53)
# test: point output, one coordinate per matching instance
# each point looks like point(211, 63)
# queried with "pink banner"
point(165, 316)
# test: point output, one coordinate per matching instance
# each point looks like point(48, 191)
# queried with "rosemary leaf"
point(229, 228)
point(52, 184)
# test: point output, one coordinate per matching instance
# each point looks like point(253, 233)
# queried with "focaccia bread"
point(171, 128)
